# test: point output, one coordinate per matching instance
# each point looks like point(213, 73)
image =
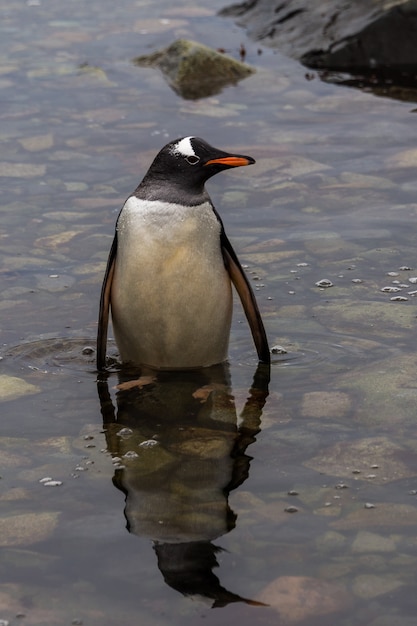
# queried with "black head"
point(180, 170)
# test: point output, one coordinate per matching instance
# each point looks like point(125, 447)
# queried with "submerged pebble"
point(12, 387)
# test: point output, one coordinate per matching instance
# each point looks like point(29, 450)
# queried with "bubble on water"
point(87, 350)
point(398, 299)
point(52, 483)
point(392, 274)
point(278, 350)
point(413, 280)
point(291, 509)
point(390, 289)
point(368, 505)
point(149, 443)
point(130, 454)
point(324, 283)
point(413, 294)
point(125, 433)
point(302, 264)
point(357, 280)
point(405, 268)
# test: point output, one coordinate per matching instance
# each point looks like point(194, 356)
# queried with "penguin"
point(170, 268)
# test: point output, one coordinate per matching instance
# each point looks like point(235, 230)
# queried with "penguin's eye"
point(192, 159)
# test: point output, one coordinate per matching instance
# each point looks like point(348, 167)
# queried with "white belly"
point(171, 295)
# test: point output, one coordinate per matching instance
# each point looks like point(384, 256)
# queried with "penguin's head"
point(187, 163)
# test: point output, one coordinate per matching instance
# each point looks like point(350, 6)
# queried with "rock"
point(195, 71)
point(335, 34)
point(298, 598)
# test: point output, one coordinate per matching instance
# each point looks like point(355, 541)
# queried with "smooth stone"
point(16, 493)
point(327, 404)
point(366, 541)
point(27, 528)
point(297, 598)
point(37, 142)
point(368, 586)
point(330, 541)
point(393, 619)
point(12, 387)
point(387, 390)
point(365, 317)
point(53, 242)
point(353, 180)
point(344, 457)
point(22, 170)
point(404, 158)
point(385, 515)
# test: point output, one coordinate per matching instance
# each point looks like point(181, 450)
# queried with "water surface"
point(305, 498)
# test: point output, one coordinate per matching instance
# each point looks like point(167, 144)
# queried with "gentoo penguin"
point(170, 268)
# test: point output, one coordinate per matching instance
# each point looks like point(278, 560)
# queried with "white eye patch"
point(184, 148)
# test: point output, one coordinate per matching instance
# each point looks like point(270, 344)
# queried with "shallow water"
point(309, 493)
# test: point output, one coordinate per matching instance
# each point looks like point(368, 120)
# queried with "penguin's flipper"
point(103, 316)
point(246, 295)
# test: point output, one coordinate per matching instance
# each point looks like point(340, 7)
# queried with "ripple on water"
point(78, 354)
point(302, 352)
point(53, 355)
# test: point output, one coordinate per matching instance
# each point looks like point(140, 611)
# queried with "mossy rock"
point(195, 71)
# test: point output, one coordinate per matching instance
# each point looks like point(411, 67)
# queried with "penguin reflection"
point(182, 450)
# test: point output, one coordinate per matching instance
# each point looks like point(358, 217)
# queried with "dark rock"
point(195, 71)
point(357, 36)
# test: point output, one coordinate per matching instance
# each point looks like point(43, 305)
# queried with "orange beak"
point(230, 161)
